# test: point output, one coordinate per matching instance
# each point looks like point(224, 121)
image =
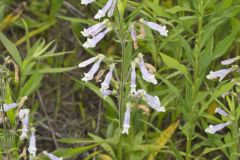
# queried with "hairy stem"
point(196, 86)
point(5, 146)
point(122, 83)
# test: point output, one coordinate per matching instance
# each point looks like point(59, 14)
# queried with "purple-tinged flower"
point(109, 7)
point(133, 35)
point(24, 132)
point(126, 123)
point(51, 156)
point(146, 75)
point(89, 61)
point(161, 29)
point(212, 129)
point(221, 112)
point(24, 117)
point(32, 149)
point(111, 10)
point(95, 29)
point(7, 107)
point(105, 84)
point(89, 76)
point(230, 61)
point(86, 2)
point(133, 78)
point(154, 102)
point(220, 73)
point(106, 92)
point(91, 43)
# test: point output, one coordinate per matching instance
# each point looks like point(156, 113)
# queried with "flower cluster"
point(96, 33)
point(97, 59)
point(90, 75)
point(224, 72)
point(152, 101)
point(159, 28)
point(23, 116)
point(221, 74)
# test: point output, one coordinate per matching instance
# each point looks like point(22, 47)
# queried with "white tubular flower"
point(91, 43)
point(102, 12)
point(86, 2)
point(133, 35)
point(220, 73)
point(133, 78)
point(89, 76)
point(24, 116)
point(126, 123)
point(105, 84)
point(89, 61)
point(221, 112)
point(32, 144)
point(51, 156)
point(24, 133)
point(111, 10)
point(230, 61)
point(146, 75)
point(212, 129)
point(106, 92)
point(95, 29)
point(7, 107)
point(154, 102)
point(161, 29)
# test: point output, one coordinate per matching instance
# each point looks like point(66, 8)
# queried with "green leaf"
point(78, 20)
point(75, 141)
point(49, 55)
point(11, 48)
point(157, 9)
point(53, 70)
point(55, 6)
point(31, 85)
point(223, 89)
point(122, 6)
point(224, 45)
point(71, 152)
point(177, 9)
point(173, 63)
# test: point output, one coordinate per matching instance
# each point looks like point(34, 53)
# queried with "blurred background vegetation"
point(43, 38)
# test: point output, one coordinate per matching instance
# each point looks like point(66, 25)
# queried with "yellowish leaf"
point(104, 157)
point(9, 19)
point(212, 107)
point(163, 139)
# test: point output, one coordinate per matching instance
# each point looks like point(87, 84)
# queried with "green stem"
point(196, 79)
point(4, 116)
point(236, 139)
point(122, 84)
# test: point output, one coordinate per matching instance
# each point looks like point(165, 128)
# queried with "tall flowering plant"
point(129, 94)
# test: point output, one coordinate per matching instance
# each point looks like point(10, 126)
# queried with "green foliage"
point(41, 45)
